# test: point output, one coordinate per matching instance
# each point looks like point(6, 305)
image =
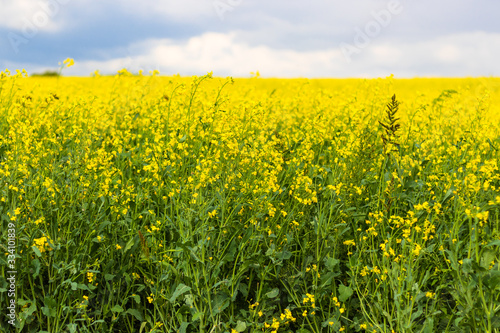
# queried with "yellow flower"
point(288, 315)
point(69, 62)
point(42, 244)
point(118, 247)
point(417, 249)
point(430, 294)
point(253, 305)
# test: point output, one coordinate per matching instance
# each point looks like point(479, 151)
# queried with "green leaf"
point(326, 279)
point(96, 322)
point(240, 326)
point(273, 293)
point(49, 312)
point(25, 313)
point(494, 243)
point(189, 300)
point(109, 277)
point(135, 313)
point(449, 194)
point(197, 316)
point(243, 287)
point(37, 251)
point(487, 257)
point(492, 280)
point(36, 264)
point(327, 322)
point(285, 255)
point(103, 225)
point(344, 293)
point(331, 263)
point(129, 245)
point(30, 310)
point(417, 314)
point(183, 327)
point(117, 308)
point(221, 302)
point(50, 302)
point(83, 287)
point(72, 328)
point(181, 289)
point(428, 325)
point(467, 266)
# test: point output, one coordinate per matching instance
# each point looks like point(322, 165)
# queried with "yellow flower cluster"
point(42, 244)
point(309, 300)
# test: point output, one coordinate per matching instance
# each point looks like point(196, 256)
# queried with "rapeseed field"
point(148, 203)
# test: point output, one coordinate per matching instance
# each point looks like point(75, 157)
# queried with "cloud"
point(225, 54)
point(466, 54)
point(279, 38)
point(31, 16)
point(463, 54)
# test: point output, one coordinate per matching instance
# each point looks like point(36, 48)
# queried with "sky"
point(278, 38)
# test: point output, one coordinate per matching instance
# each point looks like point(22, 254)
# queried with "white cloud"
point(225, 54)
point(467, 54)
point(31, 16)
point(464, 54)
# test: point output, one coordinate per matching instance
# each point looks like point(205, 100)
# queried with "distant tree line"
point(47, 73)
